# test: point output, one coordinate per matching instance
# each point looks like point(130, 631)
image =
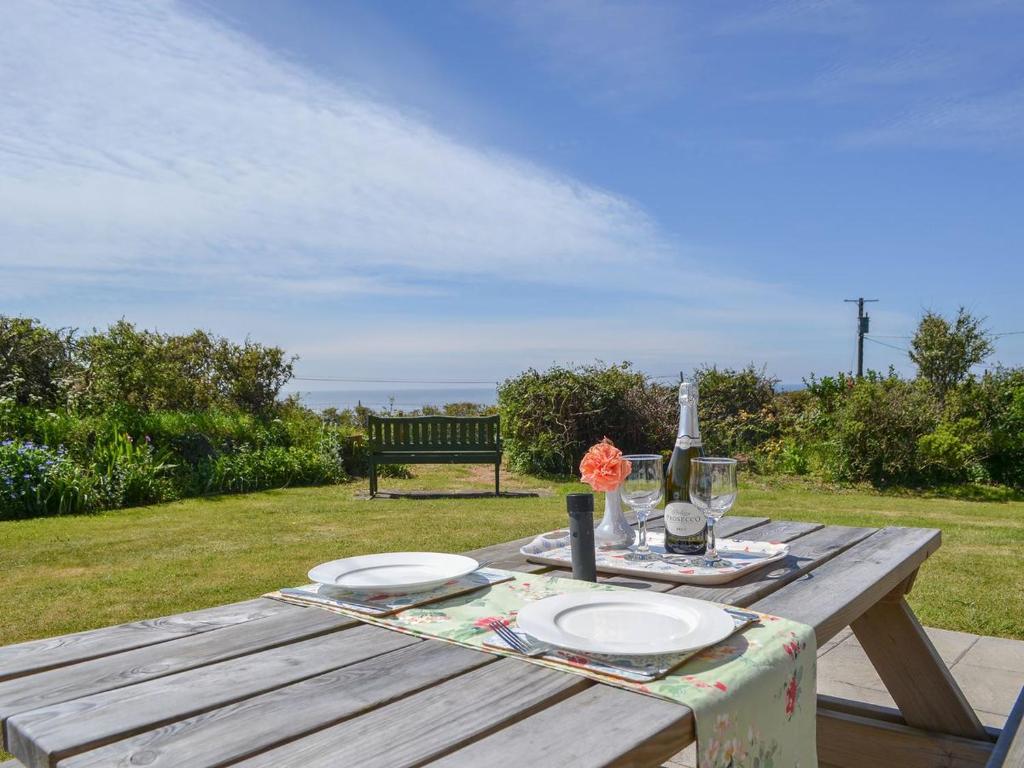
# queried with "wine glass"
point(642, 489)
point(713, 492)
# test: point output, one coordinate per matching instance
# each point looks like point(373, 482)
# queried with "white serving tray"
point(745, 556)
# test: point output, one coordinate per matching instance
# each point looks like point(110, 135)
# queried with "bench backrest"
point(434, 433)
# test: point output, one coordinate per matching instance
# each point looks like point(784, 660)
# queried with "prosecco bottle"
point(685, 525)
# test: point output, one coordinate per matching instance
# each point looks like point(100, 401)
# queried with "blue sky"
point(460, 190)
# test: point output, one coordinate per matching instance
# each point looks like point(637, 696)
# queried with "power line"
point(884, 344)
point(391, 381)
point(1007, 333)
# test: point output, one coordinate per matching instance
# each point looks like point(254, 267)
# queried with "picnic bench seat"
point(1009, 750)
point(434, 440)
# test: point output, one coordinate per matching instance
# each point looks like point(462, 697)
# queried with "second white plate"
point(392, 572)
point(625, 623)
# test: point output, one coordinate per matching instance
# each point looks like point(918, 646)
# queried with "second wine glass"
point(713, 491)
point(642, 490)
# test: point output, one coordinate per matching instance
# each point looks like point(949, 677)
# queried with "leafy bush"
point(996, 401)
point(786, 456)
point(274, 467)
point(35, 361)
point(129, 472)
point(736, 408)
point(142, 371)
point(550, 418)
point(876, 428)
point(950, 453)
point(124, 368)
point(37, 480)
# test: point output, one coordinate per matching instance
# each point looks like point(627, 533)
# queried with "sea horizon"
point(401, 399)
point(412, 399)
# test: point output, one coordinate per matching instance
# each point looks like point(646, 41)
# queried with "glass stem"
point(641, 522)
point(712, 544)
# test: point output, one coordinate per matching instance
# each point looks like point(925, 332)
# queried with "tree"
point(251, 375)
point(944, 352)
point(35, 362)
point(145, 371)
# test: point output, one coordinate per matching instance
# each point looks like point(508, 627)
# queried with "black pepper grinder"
point(581, 535)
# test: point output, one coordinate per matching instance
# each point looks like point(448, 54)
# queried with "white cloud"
point(823, 17)
point(982, 122)
point(625, 54)
point(140, 143)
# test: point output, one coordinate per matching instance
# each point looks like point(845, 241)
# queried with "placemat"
point(743, 556)
point(376, 603)
point(753, 695)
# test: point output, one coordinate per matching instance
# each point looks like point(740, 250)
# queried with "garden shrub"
point(786, 456)
point(550, 418)
point(35, 362)
point(274, 467)
point(129, 472)
point(37, 480)
point(736, 408)
point(951, 453)
point(876, 427)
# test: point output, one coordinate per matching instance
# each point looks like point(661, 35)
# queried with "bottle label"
point(684, 519)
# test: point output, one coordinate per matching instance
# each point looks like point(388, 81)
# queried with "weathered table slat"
point(259, 723)
point(775, 530)
point(431, 723)
point(24, 693)
point(601, 726)
point(805, 554)
point(42, 736)
point(38, 655)
point(841, 589)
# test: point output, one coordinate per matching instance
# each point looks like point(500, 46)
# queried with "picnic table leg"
point(373, 478)
point(913, 672)
point(497, 472)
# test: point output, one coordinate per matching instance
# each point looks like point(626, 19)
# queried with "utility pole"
point(863, 326)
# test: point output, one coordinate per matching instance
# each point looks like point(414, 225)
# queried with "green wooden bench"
point(434, 440)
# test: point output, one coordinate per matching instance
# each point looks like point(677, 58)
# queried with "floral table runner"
point(753, 695)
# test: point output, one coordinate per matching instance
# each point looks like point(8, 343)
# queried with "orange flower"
point(603, 467)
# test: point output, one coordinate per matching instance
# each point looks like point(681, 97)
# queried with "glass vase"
point(614, 531)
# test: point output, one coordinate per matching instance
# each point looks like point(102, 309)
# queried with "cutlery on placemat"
point(743, 617)
point(523, 643)
point(519, 641)
point(337, 602)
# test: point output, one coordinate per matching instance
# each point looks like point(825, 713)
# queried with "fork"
point(525, 646)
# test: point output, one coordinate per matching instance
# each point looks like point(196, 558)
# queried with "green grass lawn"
point(72, 573)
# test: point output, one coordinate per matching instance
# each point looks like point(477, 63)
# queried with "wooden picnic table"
point(265, 683)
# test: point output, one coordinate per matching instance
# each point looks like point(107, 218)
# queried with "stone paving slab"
point(997, 653)
point(989, 670)
point(952, 646)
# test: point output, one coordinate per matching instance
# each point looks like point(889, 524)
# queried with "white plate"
point(393, 571)
point(625, 623)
